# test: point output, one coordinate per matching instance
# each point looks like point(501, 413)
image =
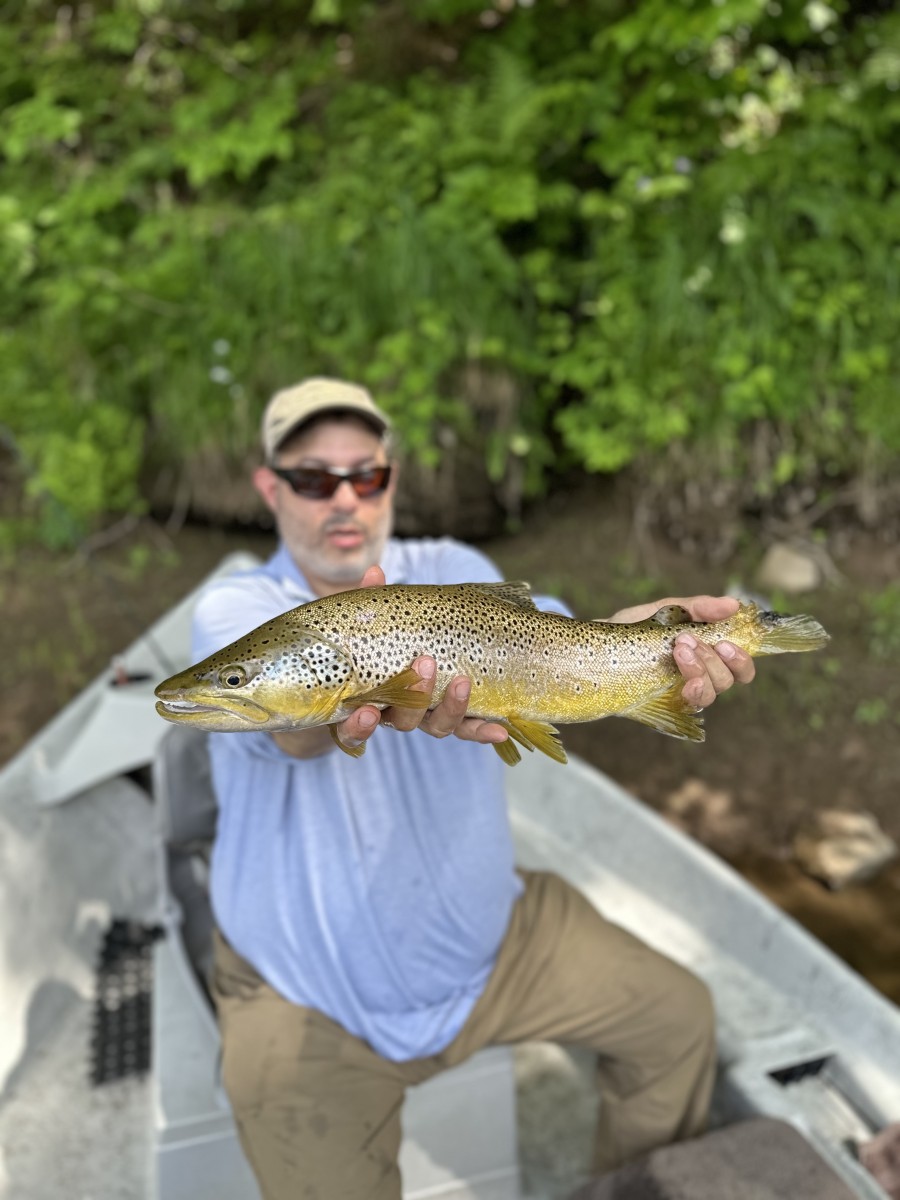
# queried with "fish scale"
point(529, 670)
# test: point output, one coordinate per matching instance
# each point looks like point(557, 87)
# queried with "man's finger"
point(374, 577)
point(706, 674)
point(709, 608)
point(447, 716)
point(476, 729)
point(359, 726)
point(738, 661)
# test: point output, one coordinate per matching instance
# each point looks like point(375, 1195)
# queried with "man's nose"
point(345, 495)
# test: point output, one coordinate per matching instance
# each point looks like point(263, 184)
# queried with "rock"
point(788, 568)
point(709, 815)
point(748, 1160)
point(843, 848)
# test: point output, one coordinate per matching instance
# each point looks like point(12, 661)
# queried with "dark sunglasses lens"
point(369, 483)
point(316, 483)
point(312, 483)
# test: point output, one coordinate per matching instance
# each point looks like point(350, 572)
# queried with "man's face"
point(332, 541)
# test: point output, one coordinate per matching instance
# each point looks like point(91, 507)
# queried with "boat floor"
point(66, 871)
point(62, 1137)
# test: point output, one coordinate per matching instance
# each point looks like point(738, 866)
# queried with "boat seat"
point(757, 1159)
point(186, 816)
point(459, 1128)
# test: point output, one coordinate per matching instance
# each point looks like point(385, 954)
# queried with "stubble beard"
point(330, 565)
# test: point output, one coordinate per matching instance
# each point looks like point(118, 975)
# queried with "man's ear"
point(266, 483)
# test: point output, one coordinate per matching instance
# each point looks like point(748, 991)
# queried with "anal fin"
point(508, 751)
point(535, 735)
point(668, 712)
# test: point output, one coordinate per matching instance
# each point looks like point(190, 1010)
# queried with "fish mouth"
point(177, 708)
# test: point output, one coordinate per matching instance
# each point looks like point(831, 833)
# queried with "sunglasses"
point(320, 483)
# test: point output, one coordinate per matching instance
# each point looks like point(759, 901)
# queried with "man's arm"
point(306, 743)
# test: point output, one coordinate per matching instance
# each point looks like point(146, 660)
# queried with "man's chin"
point(334, 567)
point(343, 569)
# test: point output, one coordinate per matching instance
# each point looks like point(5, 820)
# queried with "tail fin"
point(788, 635)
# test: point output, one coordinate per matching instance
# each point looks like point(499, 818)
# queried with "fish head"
point(272, 679)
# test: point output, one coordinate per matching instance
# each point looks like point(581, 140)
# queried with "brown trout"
point(529, 670)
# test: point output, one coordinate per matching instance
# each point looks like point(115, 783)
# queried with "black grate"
point(120, 1040)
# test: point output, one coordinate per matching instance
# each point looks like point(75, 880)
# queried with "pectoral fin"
point(353, 751)
point(395, 690)
point(533, 735)
point(668, 712)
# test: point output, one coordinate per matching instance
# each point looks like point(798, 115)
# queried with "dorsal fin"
point(514, 592)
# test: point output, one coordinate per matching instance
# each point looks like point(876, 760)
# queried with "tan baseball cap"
point(294, 406)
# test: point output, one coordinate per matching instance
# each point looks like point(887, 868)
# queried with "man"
point(373, 927)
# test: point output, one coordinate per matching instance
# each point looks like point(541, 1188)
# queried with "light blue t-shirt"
point(376, 890)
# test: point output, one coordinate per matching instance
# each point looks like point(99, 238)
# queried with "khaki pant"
point(318, 1111)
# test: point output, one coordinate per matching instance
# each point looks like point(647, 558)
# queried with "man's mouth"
point(345, 537)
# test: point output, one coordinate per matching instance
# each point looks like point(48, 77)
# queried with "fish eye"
point(233, 677)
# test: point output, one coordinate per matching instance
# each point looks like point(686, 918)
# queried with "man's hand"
point(708, 670)
point(448, 717)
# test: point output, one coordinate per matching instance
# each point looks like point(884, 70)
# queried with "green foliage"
point(670, 224)
point(872, 712)
point(883, 612)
